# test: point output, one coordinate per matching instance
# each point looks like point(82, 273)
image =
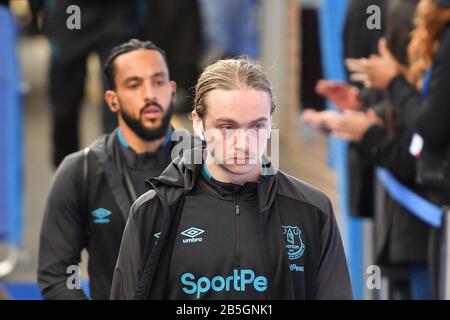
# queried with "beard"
point(148, 134)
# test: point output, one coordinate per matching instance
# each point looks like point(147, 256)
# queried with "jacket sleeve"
point(62, 235)
point(137, 244)
point(129, 261)
point(389, 152)
point(333, 275)
point(406, 101)
point(434, 117)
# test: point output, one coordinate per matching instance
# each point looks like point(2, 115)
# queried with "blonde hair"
point(231, 74)
point(430, 20)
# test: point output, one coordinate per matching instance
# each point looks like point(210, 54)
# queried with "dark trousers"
point(436, 247)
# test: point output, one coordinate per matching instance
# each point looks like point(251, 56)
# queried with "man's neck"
point(220, 173)
point(139, 145)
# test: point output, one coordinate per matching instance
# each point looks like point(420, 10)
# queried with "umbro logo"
point(192, 235)
point(101, 215)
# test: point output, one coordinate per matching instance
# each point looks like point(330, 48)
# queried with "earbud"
point(200, 132)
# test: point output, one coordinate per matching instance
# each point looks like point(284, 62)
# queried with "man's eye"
point(260, 126)
point(159, 83)
point(133, 86)
point(228, 129)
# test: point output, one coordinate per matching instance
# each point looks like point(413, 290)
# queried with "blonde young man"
point(230, 226)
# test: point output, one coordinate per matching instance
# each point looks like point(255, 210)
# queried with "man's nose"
point(149, 92)
point(241, 139)
point(245, 139)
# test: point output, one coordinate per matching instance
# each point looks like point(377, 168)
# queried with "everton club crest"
point(294, 243)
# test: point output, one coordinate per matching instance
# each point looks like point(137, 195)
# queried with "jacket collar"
point(181, 176)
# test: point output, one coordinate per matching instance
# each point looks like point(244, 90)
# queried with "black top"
point(429, 118)
point(231, 223)
point(141, 166)
point(91, 214)
point(194, 238)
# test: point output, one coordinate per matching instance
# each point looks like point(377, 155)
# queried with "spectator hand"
point(320, 119)
point(342, 95)
point(352, 125)
point(376, 71)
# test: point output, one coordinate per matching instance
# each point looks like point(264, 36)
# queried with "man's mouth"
point(152, 112)
point(243, 160)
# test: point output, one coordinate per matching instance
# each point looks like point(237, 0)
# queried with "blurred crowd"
point(192, 32)
point(395, 113)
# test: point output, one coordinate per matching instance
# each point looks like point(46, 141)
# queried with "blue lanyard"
point(426, 83)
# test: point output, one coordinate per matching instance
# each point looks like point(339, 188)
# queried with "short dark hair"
point(131, 45)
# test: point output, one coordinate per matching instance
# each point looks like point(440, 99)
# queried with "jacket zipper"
point(263, 234)
point(237, 253)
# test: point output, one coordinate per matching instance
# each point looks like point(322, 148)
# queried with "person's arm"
point(333, 276)
point(62, 236)
point(389, 152)
point(134, 244)
point(129, 263)
point(433, 121)
point(406, 101)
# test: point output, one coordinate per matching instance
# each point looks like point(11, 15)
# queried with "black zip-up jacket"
point(294, 250)
point(430, 118)
point(401, 237)
point(90, 213)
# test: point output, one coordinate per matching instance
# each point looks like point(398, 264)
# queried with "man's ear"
point(112, 100)
point(197, 124)
point(173, 84)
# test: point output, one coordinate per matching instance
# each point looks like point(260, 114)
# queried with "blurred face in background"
point(144, 95)
point(236, 128)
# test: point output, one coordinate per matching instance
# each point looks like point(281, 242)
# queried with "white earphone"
point(200, 132)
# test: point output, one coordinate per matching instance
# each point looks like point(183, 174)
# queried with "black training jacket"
point(90, 213)
point(294, 250)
